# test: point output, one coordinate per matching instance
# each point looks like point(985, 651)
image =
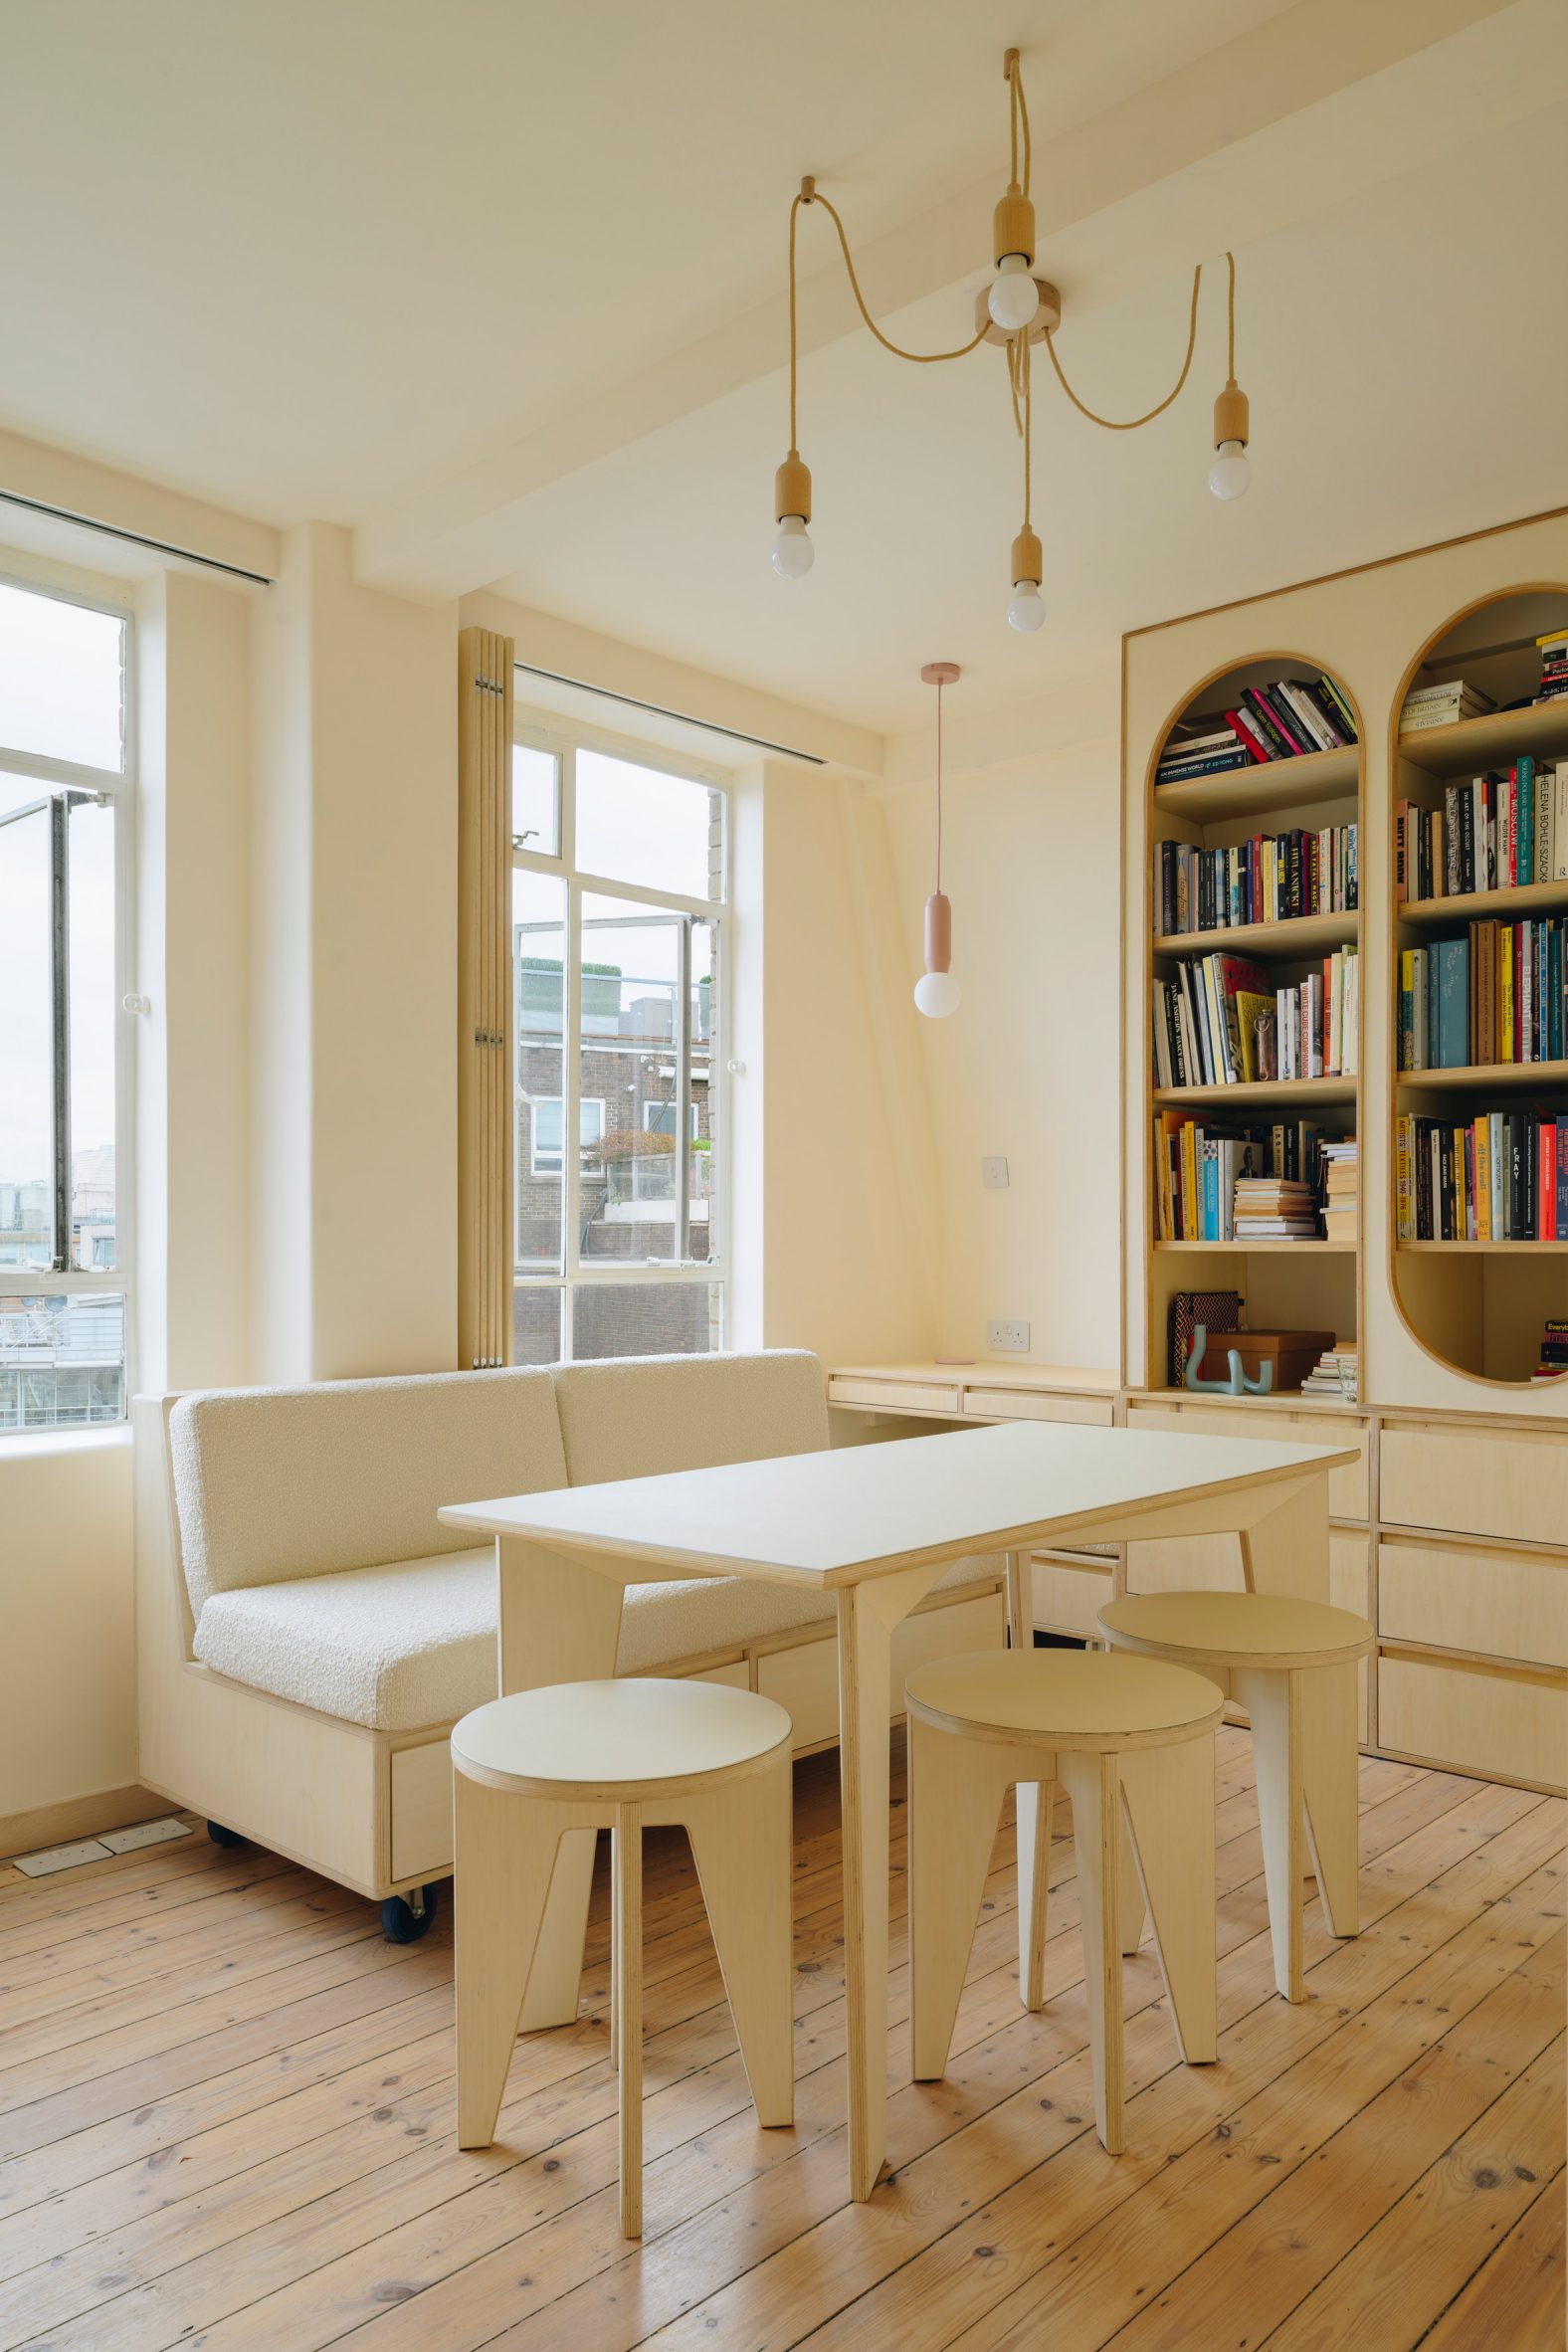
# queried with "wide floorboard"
point(225, 2121)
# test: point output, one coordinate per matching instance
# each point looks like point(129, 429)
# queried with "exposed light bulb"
point(1230, 473)
point(793, 552)
point(1014, 298)
point(1026, 610)
point(936, 994)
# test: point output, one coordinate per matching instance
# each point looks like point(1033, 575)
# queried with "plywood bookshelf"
point(1283, 1283)
point(1474, 1302)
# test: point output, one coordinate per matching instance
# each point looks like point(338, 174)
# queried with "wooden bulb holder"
point(1028, 558)
point(938, 932)
point(1230, 418)
point(792, 489)
point(1013, 226)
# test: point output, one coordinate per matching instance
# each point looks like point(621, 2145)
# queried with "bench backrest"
point(276, 1484)
point(634, 1417)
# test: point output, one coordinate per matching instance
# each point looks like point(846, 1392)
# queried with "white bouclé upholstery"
point(283, 1483)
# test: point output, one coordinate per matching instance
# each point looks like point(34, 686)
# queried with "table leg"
point(1287, 1552)
point(1032, 1804)
point(868, 1614)
point(560, 1622)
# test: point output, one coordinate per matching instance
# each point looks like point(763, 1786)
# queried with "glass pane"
point(631, 972)
point(62, 1361)
point(647, 1319)
point(61, 679)
point(91, 986)
point(638, 824)
point(538, 924)
point(536, 1323)
point(536, 801)
point(704, 1240)
point(27, 1062)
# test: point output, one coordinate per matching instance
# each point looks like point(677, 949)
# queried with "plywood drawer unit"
point(1471, 1596)
point(1350, 1487)
point(895, 1396)
point(1471, 1480)
point(1021, 1403)
point(1068, 1599)
point(805, 1677)
point(1472, 1720)
point(421, 1811)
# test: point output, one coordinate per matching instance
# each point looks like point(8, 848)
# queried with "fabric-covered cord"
point(1130, 424)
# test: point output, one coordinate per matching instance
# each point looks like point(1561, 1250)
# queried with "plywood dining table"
point(871, 1527)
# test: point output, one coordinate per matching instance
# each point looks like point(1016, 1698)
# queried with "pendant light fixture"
point(1015, 309)
point(936, 992)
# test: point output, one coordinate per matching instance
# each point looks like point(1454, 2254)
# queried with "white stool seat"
point(632, 1734)
point(1089, 1699)
point(1251, 1629)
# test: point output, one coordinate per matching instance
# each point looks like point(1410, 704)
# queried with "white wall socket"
point(993, 1174)
point(1008, 1339)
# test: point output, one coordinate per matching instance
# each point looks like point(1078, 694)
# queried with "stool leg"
point(626, 1868)
point(1093, 1784)
point(1033, 1799)
point(1169, 1797)
point(741, 1840)
point(1328, 1782)
point(956, 1803)
point(505, 1849)
point(1272, 1701)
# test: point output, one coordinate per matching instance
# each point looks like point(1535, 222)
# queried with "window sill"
point(31, 1445)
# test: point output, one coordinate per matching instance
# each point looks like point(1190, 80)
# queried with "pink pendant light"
point(936, 992)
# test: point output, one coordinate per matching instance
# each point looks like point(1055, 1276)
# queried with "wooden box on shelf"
point(1288, 1355)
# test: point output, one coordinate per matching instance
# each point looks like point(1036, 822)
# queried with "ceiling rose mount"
point(1015, 309)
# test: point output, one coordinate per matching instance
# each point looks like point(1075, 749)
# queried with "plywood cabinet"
point(1475, 1597)
point(1480, 1722)
point(1471, 1479)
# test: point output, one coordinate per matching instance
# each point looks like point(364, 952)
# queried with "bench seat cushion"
point(414, 1644)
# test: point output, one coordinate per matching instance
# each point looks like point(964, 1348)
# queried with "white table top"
point(831, 1519)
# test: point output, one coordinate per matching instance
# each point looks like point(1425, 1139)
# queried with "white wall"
point(1029, 1066)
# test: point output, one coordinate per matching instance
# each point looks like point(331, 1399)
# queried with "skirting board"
point(77, 1817)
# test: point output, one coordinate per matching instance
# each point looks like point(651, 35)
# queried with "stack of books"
point(1496, 833)
point(1552, 1363)
point(1500, 994)
point(1336, 1373)
point(1275, 1209)
point(1554, 665)
point(1502, 1178)
point(1441, 705)
point(1273, 878)
point(1286, 720)
point(1341, 1186)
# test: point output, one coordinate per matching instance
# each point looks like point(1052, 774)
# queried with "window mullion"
point(682, 1044)
point(571, 1101)
point(60, 992)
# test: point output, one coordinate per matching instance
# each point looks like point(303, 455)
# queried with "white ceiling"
point(500, 286)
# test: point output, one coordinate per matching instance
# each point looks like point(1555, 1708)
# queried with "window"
point(63, 786)
point(618, 895)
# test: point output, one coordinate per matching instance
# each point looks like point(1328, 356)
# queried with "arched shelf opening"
point(1254, 798)
point(1478, 867)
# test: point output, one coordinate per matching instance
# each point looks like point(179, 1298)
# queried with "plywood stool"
point(1292, 1666)
point(622, 1755)
point(1132, 1744)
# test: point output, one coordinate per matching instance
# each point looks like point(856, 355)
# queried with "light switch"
point(993, 1175)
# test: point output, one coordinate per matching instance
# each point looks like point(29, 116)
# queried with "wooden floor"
point(225, 2121)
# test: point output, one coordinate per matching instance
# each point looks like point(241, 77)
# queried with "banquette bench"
point(309, 1631)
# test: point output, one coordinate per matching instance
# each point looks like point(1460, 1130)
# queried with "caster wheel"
point(405, 1918)
point(222, 1836)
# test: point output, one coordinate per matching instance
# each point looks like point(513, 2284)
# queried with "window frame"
point(537, 1167)
point(562, 740)
point(117, 788)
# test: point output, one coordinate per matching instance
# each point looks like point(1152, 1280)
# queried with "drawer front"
point(1349, 1488)
point(1475, 1482)
point(1467, 1597)
point(896, 1396)
point(1020, 1404)
point(1069, 1600)
point(1478, 1722)
point(421, 1811)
